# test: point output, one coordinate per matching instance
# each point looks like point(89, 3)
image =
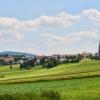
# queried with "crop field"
point(77, 81)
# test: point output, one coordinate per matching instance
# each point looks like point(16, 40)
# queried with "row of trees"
point(95, 57)
point(53, 63)
point(49, 63)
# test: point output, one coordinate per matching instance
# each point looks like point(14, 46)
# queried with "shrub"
point(50, 64)
point(55, 62)
point(10, 67)
point(27, 65)
point(2, 76)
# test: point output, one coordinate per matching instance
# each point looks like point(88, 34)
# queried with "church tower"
point(99, 49)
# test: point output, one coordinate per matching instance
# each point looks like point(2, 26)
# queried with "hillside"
point(85, 68)
point(77, 81)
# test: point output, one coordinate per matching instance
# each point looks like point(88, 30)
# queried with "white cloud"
point(61, 20)
point(85, 34)
point(13, 29)
point(93, 14)
point(54, 40)
point(7, 22)
point(9, 35)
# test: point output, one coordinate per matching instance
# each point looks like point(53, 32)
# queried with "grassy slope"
point(73, 89)
point(85, 68)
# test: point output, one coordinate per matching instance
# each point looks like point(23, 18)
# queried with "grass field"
point(85, 68)
point(75, 89)
point(77, 81)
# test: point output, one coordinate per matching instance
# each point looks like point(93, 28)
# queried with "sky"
point(46, 27)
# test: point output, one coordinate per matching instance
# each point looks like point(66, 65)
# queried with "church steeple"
point(99, 49)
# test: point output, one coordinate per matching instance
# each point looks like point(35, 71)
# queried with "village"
point(18, 59)
point(27, 62)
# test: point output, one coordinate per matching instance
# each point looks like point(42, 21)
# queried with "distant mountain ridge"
point(11, 53)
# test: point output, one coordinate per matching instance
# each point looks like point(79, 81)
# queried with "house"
point(7, 60)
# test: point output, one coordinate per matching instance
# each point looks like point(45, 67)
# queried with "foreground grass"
point(74, 89)
point(43, 95)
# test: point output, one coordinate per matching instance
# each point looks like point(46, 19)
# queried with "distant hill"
point(11, 53)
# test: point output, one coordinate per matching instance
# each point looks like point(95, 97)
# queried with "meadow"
point(77, 81)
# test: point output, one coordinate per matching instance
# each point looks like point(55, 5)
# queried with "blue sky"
point(49, 26)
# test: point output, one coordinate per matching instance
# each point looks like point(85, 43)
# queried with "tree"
point(27, 65)
point(50, 64)
point(42, 61)
point(23, 65)
point(79, 57)
point(35, 59)
point(31, 63)
point(55, 62)
point(10, 67)
point(2, 62)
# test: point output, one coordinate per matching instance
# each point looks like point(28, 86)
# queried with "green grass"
point(86, 68)
point(43, 95)
point(77, 81)
point(75, 89)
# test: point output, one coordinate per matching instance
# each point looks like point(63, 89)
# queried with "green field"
point(77, 81)
point(75, 89)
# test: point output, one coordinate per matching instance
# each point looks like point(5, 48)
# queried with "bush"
point(50, 65)
point(23, 66)
point(55, 62)
point(2, 76)
point(10, 67)
point(27, 65)
point(31, 63)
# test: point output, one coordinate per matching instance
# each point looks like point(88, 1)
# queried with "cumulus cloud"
point(7, 22)
point(12, 29)
point(54, 40)
point(62, 19)
point(9, 35)
point(93, 14)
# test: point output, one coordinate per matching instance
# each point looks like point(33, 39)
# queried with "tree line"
point(49, 63)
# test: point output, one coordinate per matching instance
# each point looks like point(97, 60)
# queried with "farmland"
point(76, 81)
